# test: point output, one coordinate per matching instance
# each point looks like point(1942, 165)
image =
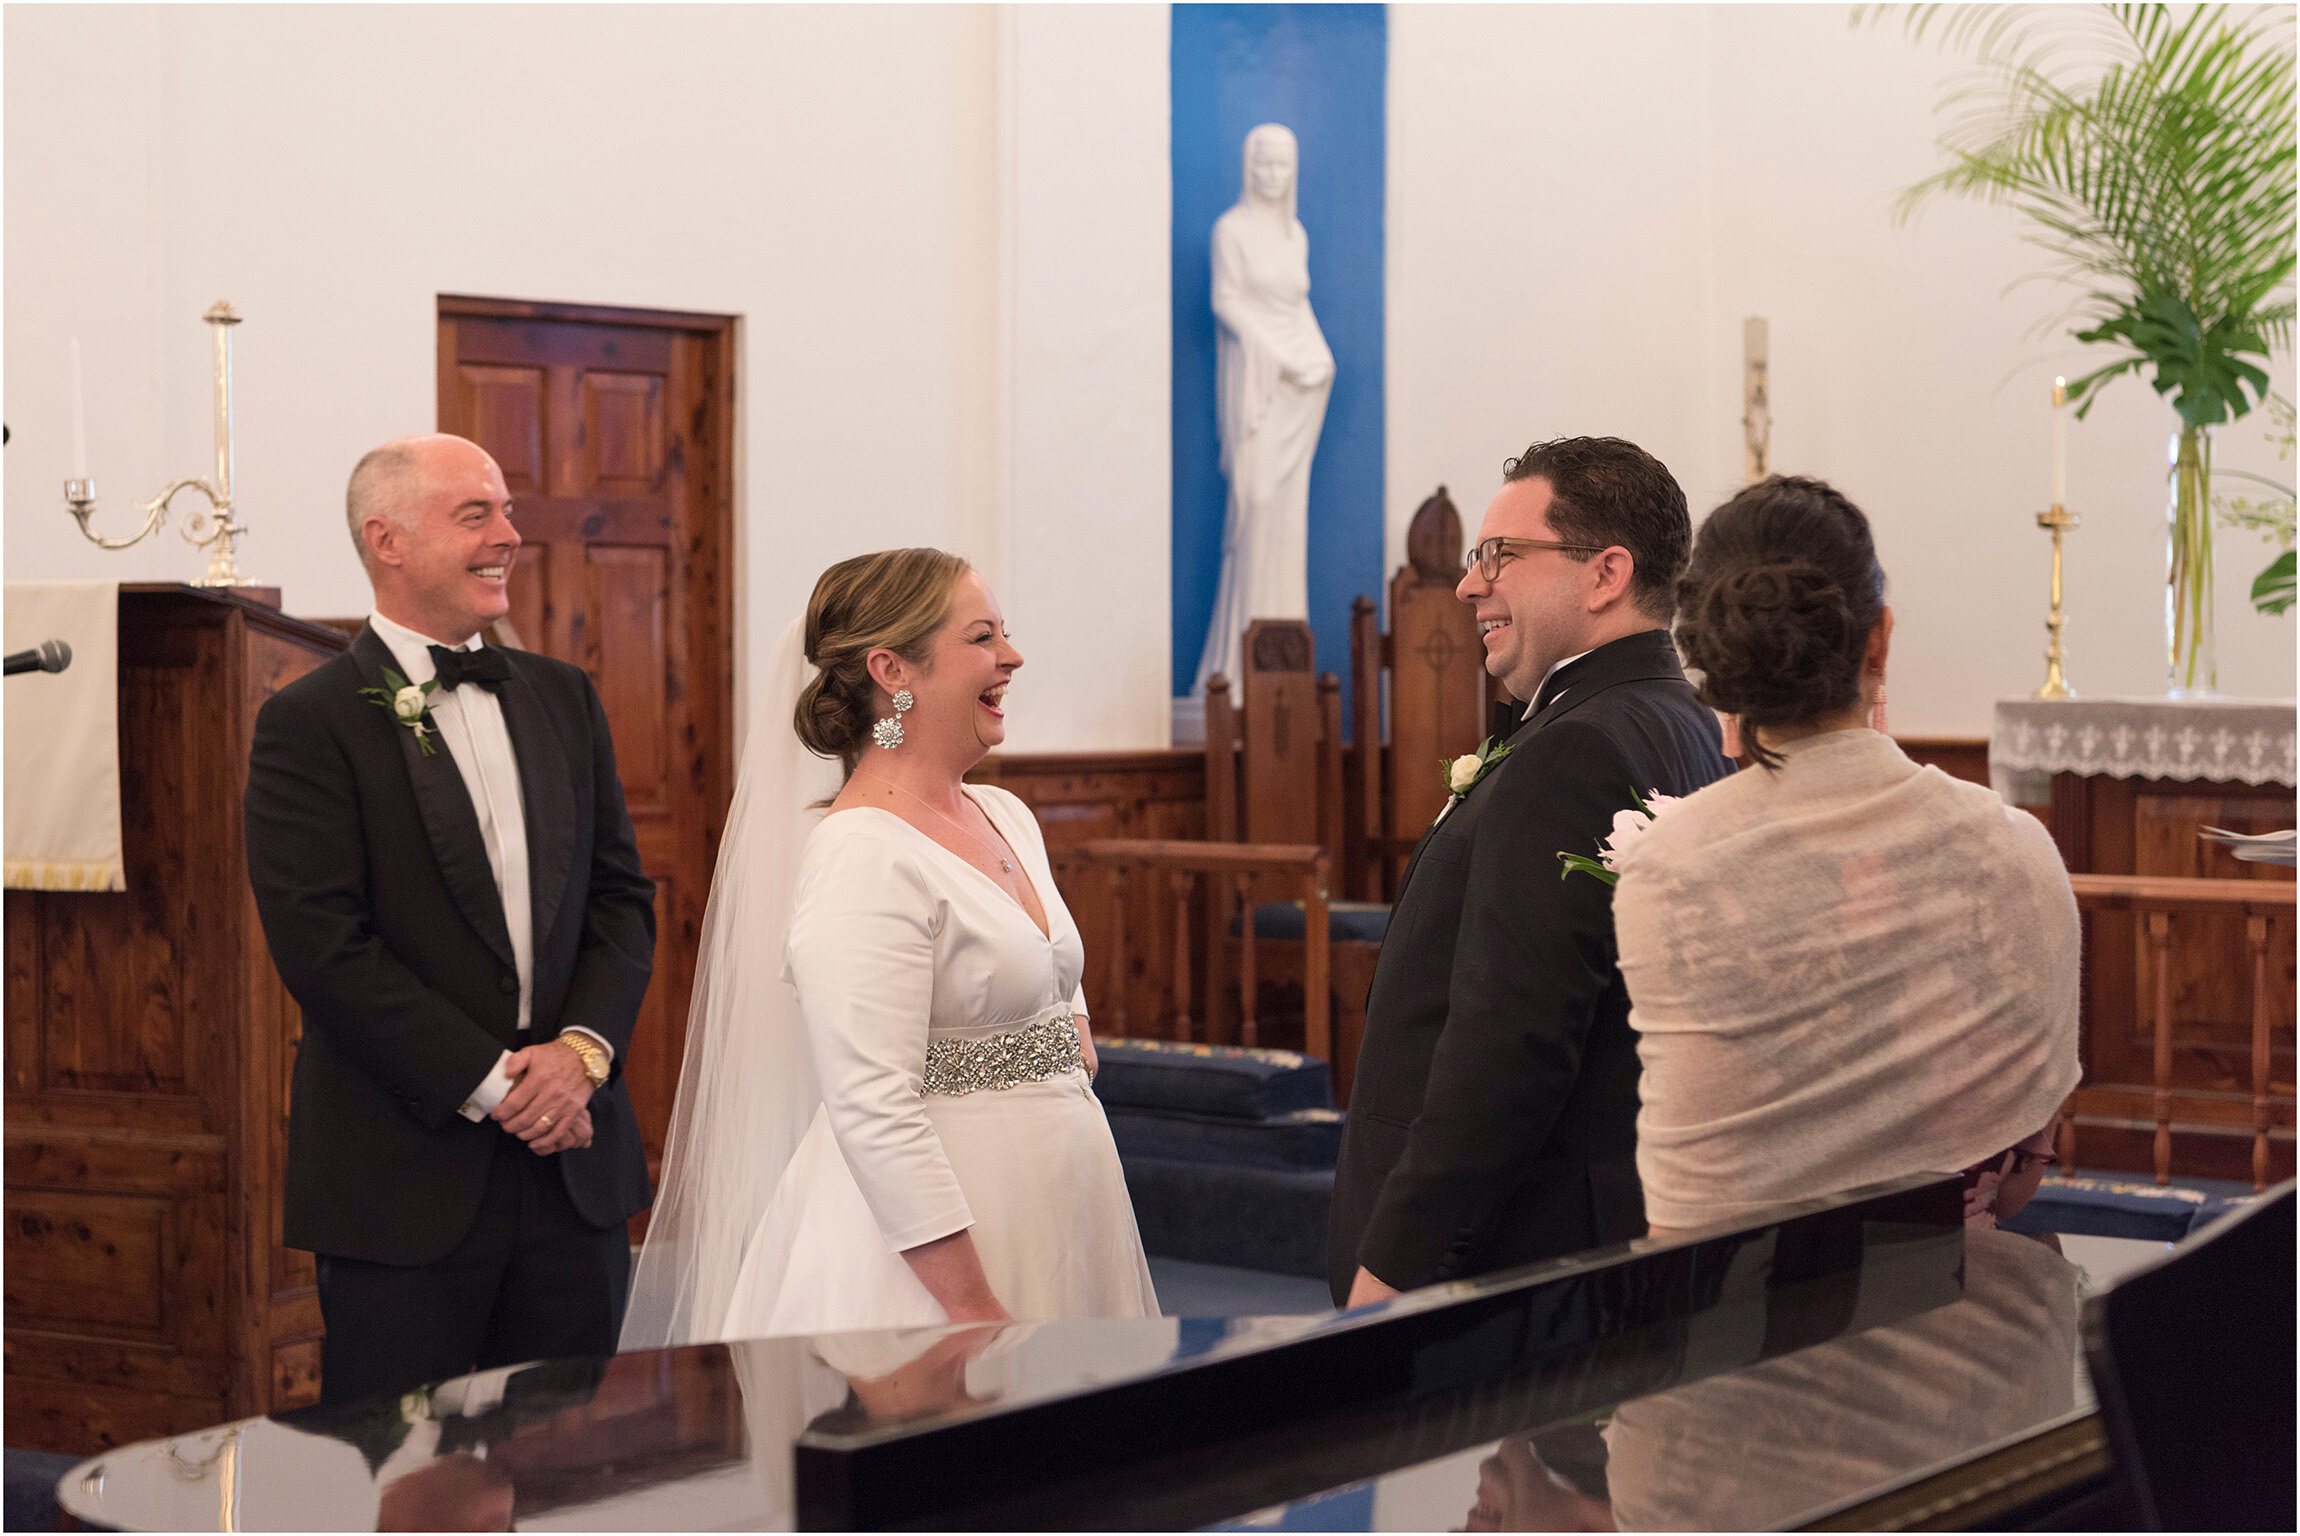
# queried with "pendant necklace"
point(1003, 862)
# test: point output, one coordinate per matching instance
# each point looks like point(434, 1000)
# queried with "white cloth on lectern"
point(63, 759)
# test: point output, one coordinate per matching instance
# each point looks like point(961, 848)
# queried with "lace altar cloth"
point(2244, 741)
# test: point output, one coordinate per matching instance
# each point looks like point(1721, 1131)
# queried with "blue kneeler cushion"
point(1299, 1138)
point(1239, 1082)
point(1363, 922)
point(2108, 1207)
point(1229, 1151)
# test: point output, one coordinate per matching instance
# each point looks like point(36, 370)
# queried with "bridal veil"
point(747, 1085)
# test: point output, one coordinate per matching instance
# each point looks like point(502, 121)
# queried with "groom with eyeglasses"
point(1493, 1121)
point(451, 890)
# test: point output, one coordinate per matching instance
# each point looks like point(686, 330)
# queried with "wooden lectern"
point(149, 1043)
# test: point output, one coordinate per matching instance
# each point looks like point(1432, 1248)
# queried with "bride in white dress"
point(884, 1115)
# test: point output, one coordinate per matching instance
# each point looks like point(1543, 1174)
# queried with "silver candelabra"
point(213, 528)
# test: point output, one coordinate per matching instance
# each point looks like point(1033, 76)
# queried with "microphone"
point(47, 656)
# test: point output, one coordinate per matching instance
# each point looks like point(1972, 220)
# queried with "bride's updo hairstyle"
point(895, 599)
point(1776, 606)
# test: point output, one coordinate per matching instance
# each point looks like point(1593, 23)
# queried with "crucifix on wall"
point(1756, 399)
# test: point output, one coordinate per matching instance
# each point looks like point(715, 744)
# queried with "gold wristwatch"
point(593, 1057)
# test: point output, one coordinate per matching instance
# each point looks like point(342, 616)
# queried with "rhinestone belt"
point(1030, 1054)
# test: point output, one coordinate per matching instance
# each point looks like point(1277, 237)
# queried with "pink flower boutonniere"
point(1628, 827)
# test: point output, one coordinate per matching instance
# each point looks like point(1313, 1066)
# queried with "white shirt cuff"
point(490, 1091)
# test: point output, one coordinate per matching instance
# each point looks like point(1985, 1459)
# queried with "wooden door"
point(614, 429)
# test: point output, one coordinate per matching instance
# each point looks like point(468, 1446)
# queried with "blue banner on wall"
point(1323, 71)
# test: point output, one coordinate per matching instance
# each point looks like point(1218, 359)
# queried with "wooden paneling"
point(626, 595)
point(147, 1043)
point(295, 1374)
point(2149, 827)
point(506, 417)
point(530, 593)
point(1960, 757)
point(659, 1036)
point(78, 1259)
point(627, 516)
point(623, 431)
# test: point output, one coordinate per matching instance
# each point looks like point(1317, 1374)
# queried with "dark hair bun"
point(1774, 640)
point(1777, 605)
point(830, 718)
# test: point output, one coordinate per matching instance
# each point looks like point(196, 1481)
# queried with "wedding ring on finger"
point(544, 1121)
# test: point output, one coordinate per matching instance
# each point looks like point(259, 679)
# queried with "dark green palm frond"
point(2152, 153)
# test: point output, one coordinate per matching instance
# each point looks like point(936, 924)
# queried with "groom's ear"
point(1615, 576)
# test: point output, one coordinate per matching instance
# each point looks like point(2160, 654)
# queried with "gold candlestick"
point(2059, 520)
point(213, 527)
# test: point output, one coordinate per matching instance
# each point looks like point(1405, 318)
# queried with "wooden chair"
point(1274, 775)
point(1235, 876)
point(2154, 899)
point(1274, 744)
point(1439, 700)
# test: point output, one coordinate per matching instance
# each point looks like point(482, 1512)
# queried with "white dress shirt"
point(472, 728)
point(1527, 712)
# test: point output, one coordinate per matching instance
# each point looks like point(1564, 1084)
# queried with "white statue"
point(1272, 374)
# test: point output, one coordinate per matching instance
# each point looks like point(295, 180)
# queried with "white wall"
point(1548, 256)
point(1091, 547)
point(846, 179)
point(1585, 203)
point(946, 230)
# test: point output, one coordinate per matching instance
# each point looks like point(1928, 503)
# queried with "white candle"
point(2059, 442)
point(79, 419)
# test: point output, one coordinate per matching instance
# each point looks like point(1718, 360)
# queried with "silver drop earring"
point(888, 731)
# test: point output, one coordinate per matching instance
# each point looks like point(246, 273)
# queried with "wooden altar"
point(149, 1043)
point(2133, 783)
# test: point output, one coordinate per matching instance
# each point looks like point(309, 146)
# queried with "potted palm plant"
point(2151, 152)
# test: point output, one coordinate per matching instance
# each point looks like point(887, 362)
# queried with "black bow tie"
point(485, 667)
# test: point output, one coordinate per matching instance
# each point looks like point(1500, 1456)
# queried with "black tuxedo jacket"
point(1493, 1121)
point(384, 920)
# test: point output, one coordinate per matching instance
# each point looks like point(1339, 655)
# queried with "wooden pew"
point(1233, 875)
point(1438, 698)
point(1274, 775)
point(2154, 899)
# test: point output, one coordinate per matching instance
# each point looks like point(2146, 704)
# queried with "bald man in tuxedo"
point(450, 887)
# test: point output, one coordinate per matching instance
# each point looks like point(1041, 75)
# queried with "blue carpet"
point(1186, 1289)
point(1267, 1219)
point(31, 1479)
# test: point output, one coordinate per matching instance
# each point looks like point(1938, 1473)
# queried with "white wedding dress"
point(938, 1017)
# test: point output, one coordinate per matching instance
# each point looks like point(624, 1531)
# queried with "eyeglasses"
point(1485, 558)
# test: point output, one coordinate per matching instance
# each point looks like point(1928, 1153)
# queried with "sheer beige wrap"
point(1844, 971)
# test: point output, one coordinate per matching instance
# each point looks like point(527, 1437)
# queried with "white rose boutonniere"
point(408, 703)
point(1464, 771)
point(1628, 827)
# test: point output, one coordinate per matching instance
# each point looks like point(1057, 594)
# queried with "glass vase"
point(2192, 667)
